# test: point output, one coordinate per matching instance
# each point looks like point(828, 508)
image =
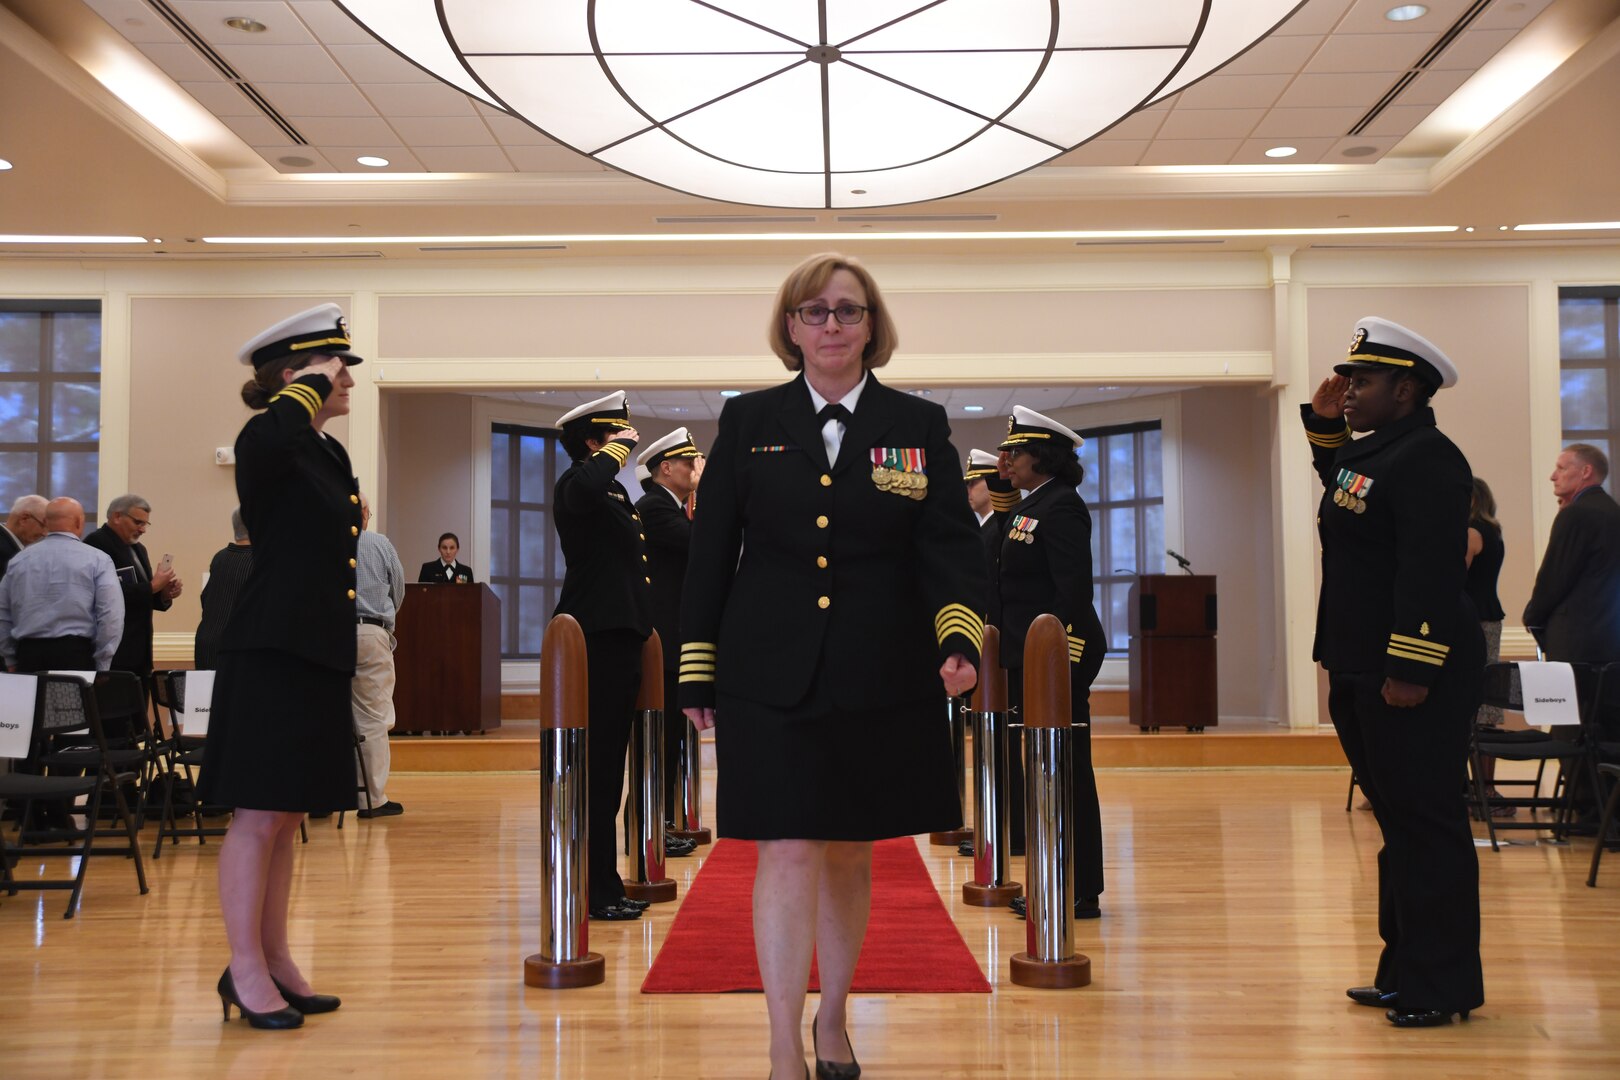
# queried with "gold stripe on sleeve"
point(1423, 657)
point(289, 392)
point(1434, 647)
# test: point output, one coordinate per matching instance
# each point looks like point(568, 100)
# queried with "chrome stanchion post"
point(564, 959)
point(644, 812)
point(991, 831)
point(956, 720)
point(688, 783)
point(1049, 961)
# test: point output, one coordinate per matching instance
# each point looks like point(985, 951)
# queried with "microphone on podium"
point(1181, 559)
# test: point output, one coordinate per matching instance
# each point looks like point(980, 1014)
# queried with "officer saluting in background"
point(608, 589)
point(668, 470)
point(991, 498)
point(1405, 657)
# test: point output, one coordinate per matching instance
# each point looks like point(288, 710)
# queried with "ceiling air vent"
point(1440, 45)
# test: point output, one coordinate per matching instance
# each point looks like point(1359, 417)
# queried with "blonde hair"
point(807, 280)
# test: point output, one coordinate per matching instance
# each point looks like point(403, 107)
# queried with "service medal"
point(1338, 496)
point(1361, 506)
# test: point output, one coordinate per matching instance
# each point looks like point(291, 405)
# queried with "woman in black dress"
point(1485, 555)
point(280, 740)
point(1046, 569)
point(834, 584)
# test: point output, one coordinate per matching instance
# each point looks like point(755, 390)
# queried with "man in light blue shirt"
point(60, 604)
point(379, 588)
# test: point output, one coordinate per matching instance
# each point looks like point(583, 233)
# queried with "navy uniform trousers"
point(1410, 764)
point(613, 668)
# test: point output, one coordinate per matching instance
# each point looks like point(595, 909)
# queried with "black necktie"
point(833, 411)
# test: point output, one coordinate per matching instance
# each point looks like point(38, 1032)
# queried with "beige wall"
point(427, 485)
point(184, 402)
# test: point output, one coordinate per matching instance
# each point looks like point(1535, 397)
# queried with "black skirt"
point(280, 736)
point(813, 772)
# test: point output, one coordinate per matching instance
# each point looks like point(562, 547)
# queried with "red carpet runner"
point(912, 947)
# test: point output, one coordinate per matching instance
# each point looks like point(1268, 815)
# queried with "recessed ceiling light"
point(246, 25)
point(973, 408)
point(730, 393)
point(1501, 228)
point(294, 161)
point(1359, 151)
point(1406, 13)
point(4, 164)
point(1567, 226)
point(1282, 151)
point(372, 162)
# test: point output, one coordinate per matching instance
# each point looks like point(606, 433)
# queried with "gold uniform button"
point(354, 499)
point(824, 603)
point(821, 561)
point(354, 530)
point(647, 580)
point(644, 558)
point(351, 594)
point(351, 564)
point(826, 481)
point(642, 535)
point(635, 517)
point(821, 522)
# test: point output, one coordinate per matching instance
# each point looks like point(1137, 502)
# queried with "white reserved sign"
point(199, 693)
point(17, 694)
point(1549, 694)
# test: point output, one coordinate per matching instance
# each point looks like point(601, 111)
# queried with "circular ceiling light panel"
point(829, 104)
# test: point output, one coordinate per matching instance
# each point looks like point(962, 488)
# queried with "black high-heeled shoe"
point(280, 1019)
point(308, 1004)
point(1417, 1018)
point(833, 1070)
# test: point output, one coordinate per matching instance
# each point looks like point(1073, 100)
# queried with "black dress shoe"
point(1019, 906)
point(1416, 1018)
point(1087, 908)
point(614, 912)
point(675, 847)
point(275, 1020)
point(634, 905)
point(387, 809)
point(834, 1070)
point(308, 1004)
point(965, 848)
point(1371, 995)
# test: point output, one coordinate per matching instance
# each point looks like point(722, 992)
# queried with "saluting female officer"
point(1046, 569)
point(818, 657)
point(281, 733)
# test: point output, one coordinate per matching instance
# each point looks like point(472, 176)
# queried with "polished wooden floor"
point(1239, 907)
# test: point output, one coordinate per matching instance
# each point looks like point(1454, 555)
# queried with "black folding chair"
point(1577, 757)
point(364, 786)
point(179, 780)
point(68, 738)
point(1606, 827)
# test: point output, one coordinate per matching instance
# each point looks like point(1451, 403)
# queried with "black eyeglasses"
point(816, 314)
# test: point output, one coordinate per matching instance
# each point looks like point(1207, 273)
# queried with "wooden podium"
point(1173, 651)
point(448, 663)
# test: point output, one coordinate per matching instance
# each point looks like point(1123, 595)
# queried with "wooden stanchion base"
point(588, 970)
point(950, 837)
point(654, 892)
point(1051, 975)
point(699, 836)
point(991, 895)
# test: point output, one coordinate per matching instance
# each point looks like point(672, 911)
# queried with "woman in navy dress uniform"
point(1405, 657)
point(281, 734)
point(835, 582)
point(1046, 569)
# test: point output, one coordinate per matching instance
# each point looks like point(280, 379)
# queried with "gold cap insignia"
point(1424, 629)
point(1356, 342)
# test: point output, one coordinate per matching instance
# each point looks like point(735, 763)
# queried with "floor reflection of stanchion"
point(688, 809)
point(563, 960)
point(956, 718)
point(990, 887)
point(644, 810)
point(1050, 961)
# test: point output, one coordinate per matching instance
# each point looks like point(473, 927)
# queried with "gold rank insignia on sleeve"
point(302, 394)
point(1411, 648)
point(698, 661)
point(959, 619)
point(618, 451)
point(1329, 442)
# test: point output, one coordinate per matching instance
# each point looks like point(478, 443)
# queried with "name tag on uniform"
point(770, 449)
point(1023, 529)
point(616, 495)
point(900, 470)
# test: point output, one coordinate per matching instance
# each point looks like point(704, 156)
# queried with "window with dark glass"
point(1124, 489)
point(526, 560)
point(1589, 365)
point(50, 401)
